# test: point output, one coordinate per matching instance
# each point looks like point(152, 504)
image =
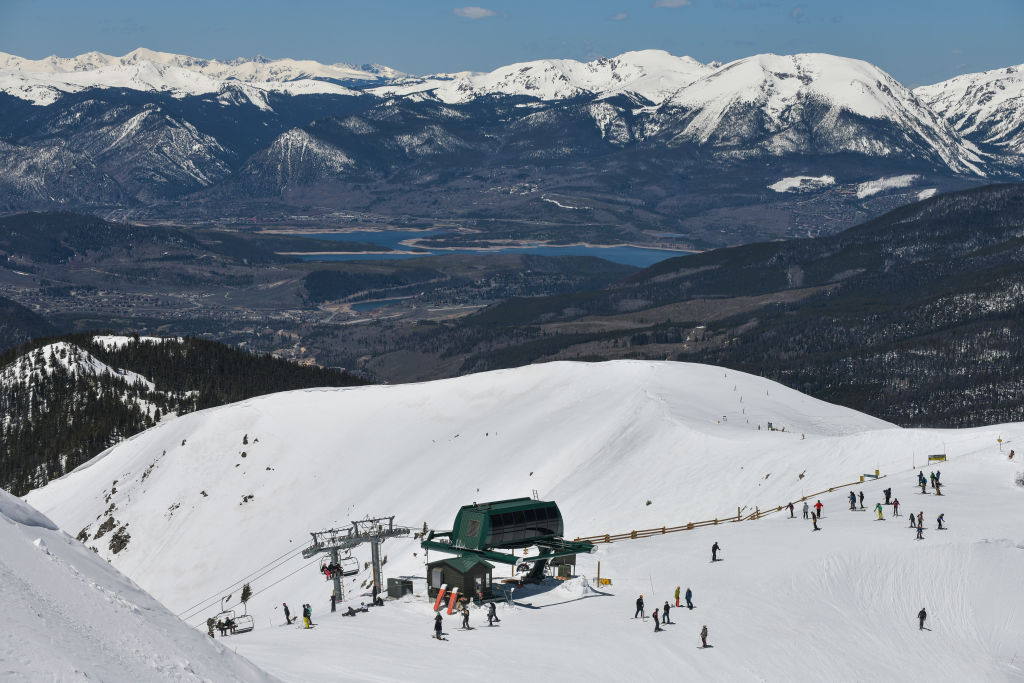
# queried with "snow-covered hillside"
point(230, 494)
point(70, 616)
point(986, 107)
point(41, 81)
point(72, 359)
point(651, 74)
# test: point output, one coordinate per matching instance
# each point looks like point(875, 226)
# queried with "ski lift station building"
point(515, 523)
point(471, 575)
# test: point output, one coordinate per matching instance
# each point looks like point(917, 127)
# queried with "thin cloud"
point(473, 12)
point(797, 14)
point(957, 51)
point(672, 3)
point(621, 16)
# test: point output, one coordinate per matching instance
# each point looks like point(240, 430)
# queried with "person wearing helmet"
point(640, 607)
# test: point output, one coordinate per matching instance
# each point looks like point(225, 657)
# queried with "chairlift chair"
point(349, 566)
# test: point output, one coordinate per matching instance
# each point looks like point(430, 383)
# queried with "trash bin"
point(399, 587)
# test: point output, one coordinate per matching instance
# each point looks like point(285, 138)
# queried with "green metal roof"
point(510, 505)
point(463, 564)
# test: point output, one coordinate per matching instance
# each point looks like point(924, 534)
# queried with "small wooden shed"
point(471, 575)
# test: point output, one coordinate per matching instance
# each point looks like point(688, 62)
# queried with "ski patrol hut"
point(471, 575)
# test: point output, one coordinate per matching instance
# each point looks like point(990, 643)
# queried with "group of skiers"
point(463, 610)
point(665, 617)
point(307, 615)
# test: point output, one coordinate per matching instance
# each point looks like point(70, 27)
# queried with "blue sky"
point(917, 41)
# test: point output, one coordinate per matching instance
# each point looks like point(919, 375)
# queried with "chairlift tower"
point(373, 531)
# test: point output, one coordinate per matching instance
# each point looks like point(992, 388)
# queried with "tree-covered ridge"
point(60, 405)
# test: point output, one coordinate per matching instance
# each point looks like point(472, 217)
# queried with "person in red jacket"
point(818, 506)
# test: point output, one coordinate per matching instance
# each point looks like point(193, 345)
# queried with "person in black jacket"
point(657, 626)
point(714, 552)
point(689, 596)
point(437, 626)
point(664, 614)
point(639, 607)
point(921, 616)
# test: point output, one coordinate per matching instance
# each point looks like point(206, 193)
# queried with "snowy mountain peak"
point(987, 107)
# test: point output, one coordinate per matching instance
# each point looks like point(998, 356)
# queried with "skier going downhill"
point(640, 608)
point(912, 522)
point(920, 526)
point(940, 519)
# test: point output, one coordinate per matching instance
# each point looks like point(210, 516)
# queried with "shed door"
point(436, 577)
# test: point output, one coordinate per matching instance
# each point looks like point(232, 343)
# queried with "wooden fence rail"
point(756, 514)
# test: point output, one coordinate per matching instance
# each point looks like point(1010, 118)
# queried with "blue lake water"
point(631, 256)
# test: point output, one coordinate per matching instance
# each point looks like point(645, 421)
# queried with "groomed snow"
point(621, 445)
point(873, 187)
point(69, 616)
point(802, 183)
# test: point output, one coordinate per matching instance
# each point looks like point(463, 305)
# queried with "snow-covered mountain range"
point(230, 495)
point(157, 127)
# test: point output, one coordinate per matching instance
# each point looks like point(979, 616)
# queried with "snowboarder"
point(805, 510)
point(677, 596)
point(940, 519)
point(465, 618)
point(689, 598)
point(287, 614)
point(921, 616)
point(861, 500)
point(492, 614)
point(920, 527)
point(878, 509)
point(704, 637)
point(437, 626)
point(896, 507)
point(912, 522)
point(814, 521)
point(887, 493)
point(640, 607)
point(791, 516)
point(664, 613)
point(657, 626)
point(817, 507)
point(714, 552)
point(853, 501)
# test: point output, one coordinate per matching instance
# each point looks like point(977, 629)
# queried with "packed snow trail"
point(618, 445)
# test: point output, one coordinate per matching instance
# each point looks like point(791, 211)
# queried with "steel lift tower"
point(332, 541)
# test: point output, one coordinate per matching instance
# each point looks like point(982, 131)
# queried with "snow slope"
point(651, 74)
point(41, 81)
point(70, 616)
point(621, 445)
point(986, 107)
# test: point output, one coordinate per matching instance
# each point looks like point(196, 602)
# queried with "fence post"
point(632, 534)
point(606, 539)
point(662, 529)
point(716, 520)
point(737, 513)
point(757, 513)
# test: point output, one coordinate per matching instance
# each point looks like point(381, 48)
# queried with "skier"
point(714, 552)
point(853, 501)
point(921, 616)
point(308, 613)
point(861, 500)
point(287, 614)
point(931, 475)
point(923, 485)
point(437, 626)
point(896, 507)
point(920, 527)
point(805, 510)
point(704, 637)
point(664, 613)
point(492, 614)
point(210, 623)
point(912, 522)
point(878, 509)
point(689, 597)
point(938, 473)
point(938, 488)
point(465, 618)
point(791, 516)
point(818, 506)
point(677, 596)
point(640, 607)
point(920, 477)
point(814, 521)
point(657, 626)
point(887, 493)
point(940, 519)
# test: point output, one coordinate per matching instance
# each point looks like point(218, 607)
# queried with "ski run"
point(231, 494)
